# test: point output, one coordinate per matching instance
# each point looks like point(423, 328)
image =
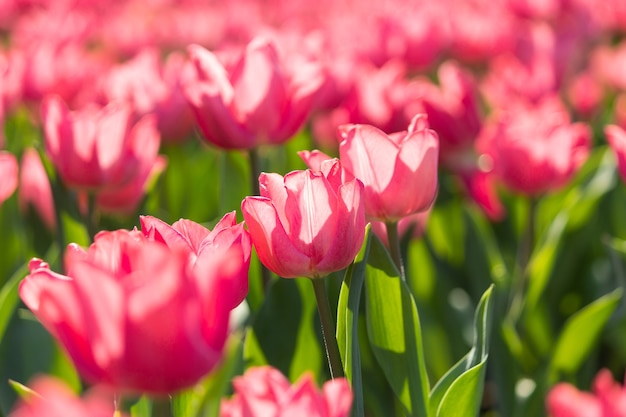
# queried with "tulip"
point(534, 149)
point(8, 175)
point(264, 391)
point(616, 137)
point(259, 100)
point(97, 149)
point(51, 398)
point(607, 400)
point(35, 188)
point(401, 164)
point(135, 315)
point(152, 87)
point(200, 243)
point(307, 224)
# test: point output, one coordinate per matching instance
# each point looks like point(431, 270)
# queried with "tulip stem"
point(525, 248)
point(328, 328)
point(255, 171)
point(393, 237)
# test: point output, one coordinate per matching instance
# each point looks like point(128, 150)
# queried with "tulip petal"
point(8, 175)
point(273, 245)
point(311, 213)
point(54, 300)
point(259, 88)
point(370, 155)
point(350, 229)
point(210, 95)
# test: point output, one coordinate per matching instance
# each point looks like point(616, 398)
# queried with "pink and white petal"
point(310, 211)
point(338, 397)
point(273, 246)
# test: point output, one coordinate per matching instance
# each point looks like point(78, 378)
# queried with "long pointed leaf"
point(443, 390)
point(394, 331)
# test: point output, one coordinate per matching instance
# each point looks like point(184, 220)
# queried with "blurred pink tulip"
point(380, 96)
point(51, 398)
point(133, 314)
point(201, 243)
point(307, 224)
point(264, 391)
point(535, 149)
point(607, 400)
point(259, 100)
point(35, 188)
point(402, 163)
point(152, 87)
point(616, 136)
point(8, 175)
point(453, 111)
point(99, 149)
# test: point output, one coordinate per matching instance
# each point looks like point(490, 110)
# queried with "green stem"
point(255, 172)
point(524, 253)
point(328, 328)
point(394, 246)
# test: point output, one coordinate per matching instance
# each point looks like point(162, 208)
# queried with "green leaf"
point(581, 332)
point(573, 209)
point(463, 383)
point(9, 298)
point(394, 331)
point(142, 408)
point(286, 331)
point(464, 396)
point(348, 322)
point(22, 390)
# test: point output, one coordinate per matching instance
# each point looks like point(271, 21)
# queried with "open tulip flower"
point(535, 149)
point(202, 244)
point(307, 224)
point(616, 136)
point(259, 100)
point(264, 391)
point(402, 163)
point(98, 149)
point(136, 315)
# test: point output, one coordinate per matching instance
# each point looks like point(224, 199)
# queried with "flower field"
point(276, 208)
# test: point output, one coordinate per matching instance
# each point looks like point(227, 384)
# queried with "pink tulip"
point(35, 188)
point(135, 315)
point(259, 100)
point(400, 164)
point(616, 137)
point(51, 398)
point(535, 149)
point(152, 87)
point(264, 391)
point(201, 243)
point(607, 400)
point(98, 149)
point(8, 175)
point(453, 110)
point(307, 224)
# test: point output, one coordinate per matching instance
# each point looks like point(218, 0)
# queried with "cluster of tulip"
point(450, 220)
